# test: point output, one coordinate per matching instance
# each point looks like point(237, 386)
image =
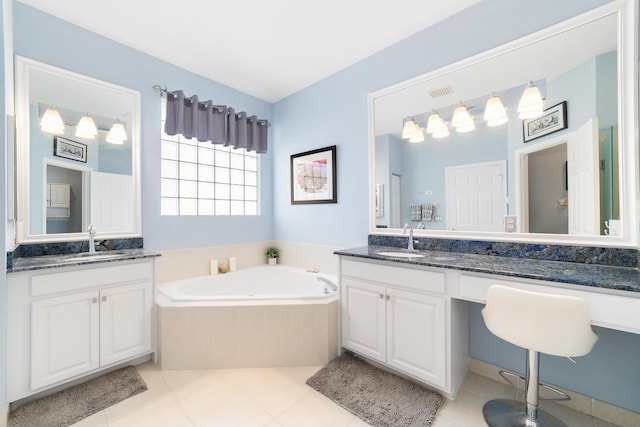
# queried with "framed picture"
point(63, 147)
point(552, 120)
point(313, 177)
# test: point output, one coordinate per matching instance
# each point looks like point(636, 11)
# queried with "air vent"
point(437, 93)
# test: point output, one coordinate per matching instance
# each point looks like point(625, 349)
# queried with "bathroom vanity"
point(409, 311)
point(82, 317)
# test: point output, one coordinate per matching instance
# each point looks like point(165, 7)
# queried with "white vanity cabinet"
point(401, 317)
point(70, 322)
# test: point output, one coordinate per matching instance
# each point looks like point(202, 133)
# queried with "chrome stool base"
point(510, 413)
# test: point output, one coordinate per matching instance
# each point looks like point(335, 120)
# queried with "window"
point(201, 178)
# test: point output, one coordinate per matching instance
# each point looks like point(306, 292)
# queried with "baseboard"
point(596, 408)
point(4, 416)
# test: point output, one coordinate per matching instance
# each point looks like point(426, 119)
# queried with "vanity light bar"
point(495, 114)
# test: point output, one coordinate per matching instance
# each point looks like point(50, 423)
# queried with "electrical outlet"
point(510, 223)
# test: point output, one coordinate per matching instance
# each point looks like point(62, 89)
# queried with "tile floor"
point(276, 397)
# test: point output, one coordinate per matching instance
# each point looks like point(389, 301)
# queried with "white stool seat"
point(553, 324)
point(558, 325)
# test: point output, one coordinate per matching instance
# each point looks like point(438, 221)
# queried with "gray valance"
point(216, 123)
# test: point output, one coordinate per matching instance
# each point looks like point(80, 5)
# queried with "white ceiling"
point(268, 49)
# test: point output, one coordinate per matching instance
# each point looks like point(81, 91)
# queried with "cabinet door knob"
point(388, 298)
point(94, 300)
point(104, 298)
point(381, 296)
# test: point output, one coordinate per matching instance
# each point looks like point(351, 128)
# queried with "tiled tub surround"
point(231, 335)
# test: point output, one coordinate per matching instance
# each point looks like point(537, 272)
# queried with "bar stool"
point(558, 325)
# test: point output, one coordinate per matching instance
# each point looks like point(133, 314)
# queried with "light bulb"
point(410, 129)
point(117, 134)
point(530, 105)
point(86, 128)
point(494, 112)
point(51, 122)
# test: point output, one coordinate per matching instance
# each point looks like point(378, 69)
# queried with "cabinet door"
point(363, 318)
point(125, 322)
point(64, 337)
point(60, 195)
point(416, 343)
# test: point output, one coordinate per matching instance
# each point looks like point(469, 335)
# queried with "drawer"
point(90, 277)
point(406, 277)
point(608, 310)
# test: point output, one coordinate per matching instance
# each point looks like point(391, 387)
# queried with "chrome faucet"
point(92, 236)
point(404, 230)
point(328, 284)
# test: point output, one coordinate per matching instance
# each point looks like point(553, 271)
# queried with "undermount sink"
point(95, 255)
point(401, 254)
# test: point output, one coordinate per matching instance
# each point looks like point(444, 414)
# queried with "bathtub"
point(262, 283)
point(266, 316)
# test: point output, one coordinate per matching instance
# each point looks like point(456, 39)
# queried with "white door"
point(363, 318)
point(416, 340)
point(475, 196)
point(584, 179)
point(64, 338)
point(125, 326)
point(111, 202)
point(396, 212)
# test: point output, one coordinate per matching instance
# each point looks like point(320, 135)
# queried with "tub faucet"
point(328, 284)
point(404, 231)
point(92, 236)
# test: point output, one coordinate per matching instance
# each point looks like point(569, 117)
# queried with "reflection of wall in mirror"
point(590, 89)
point(100, 156)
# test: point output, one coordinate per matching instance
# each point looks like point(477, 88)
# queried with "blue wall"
point(61, 44)
point(334, 110)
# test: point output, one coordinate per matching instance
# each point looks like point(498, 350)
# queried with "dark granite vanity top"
point(74, 259)
point(576, 273)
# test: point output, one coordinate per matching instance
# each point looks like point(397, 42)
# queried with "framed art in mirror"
point(69, 149)
point(553, 119)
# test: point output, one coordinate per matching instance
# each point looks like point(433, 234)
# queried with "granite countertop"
point(74, 259)
point(594, 275)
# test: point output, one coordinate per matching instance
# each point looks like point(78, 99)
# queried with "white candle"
point(213, 266)
point(232, 263)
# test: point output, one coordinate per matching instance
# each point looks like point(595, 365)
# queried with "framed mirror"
point(566, 173)
point(70, 177)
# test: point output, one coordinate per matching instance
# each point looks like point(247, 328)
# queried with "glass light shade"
point(86, 128)
point(461, 117)
point(117, 134)
point(462, 121)
point(51, 122)
point(443, 132)
point(418, 137)
point(530, 105)
point(410, 129)
point(494, 112)
point(435, 123)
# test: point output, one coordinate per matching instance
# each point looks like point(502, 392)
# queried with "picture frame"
point(552, 120)
point(313, 177)
point(68, 149)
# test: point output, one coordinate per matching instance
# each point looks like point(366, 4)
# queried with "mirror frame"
point(23, 180)
point(627, 35)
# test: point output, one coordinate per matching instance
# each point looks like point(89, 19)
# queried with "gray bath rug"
point(375, 396)
point(73, 404)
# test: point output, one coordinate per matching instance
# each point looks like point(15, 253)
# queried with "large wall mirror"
point(70, 177)
point(566, 174)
